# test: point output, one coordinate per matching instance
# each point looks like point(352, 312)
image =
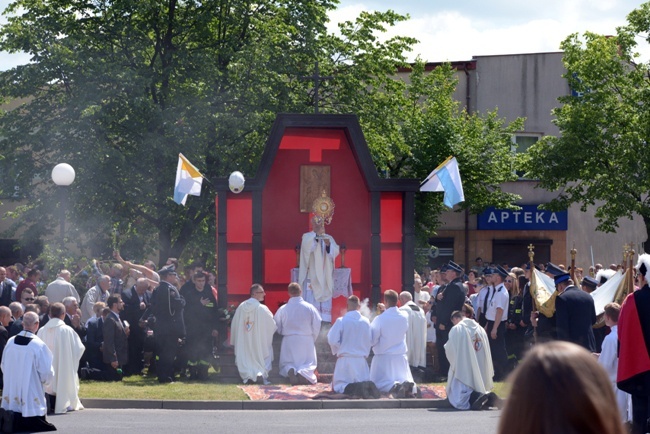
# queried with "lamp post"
point(62, 175)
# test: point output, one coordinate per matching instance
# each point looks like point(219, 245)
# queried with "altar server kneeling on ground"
point(349, 339)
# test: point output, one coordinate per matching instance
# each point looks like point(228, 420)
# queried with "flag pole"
point(436, 170)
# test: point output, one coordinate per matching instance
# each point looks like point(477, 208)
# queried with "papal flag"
point(188, 180)
point(542, 289)
point(446, 177)
point(614, 290)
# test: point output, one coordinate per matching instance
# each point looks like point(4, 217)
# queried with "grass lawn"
point(138, 387)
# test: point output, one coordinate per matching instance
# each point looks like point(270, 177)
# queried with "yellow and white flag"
point(188, 180)
point(542, 289)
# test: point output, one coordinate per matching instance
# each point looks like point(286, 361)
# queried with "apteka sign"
point(528, 218)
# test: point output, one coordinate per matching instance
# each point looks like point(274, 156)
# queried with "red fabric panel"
point(278, 265)
point(391, 218)
point(313, 140)
point(633, 357)
point(240, 269)
point(240, 218)
point(391, 267)
point(353, 260)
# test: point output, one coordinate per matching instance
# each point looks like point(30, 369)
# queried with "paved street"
point(278, 421)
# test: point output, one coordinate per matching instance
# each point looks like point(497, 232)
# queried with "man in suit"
point(5, 317)
point(115, 350)
point(575, 313)
point(136, 301)
point(6, 290)
point(450, 298)
point(95, 338)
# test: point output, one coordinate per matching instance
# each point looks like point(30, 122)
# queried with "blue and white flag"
point(446, 177)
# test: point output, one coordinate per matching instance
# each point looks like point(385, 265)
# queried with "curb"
point(316, 404)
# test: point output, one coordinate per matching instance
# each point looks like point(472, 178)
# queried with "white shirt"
point(298, 318)
point(388, 332)
point(350, 336)
point(497, 298)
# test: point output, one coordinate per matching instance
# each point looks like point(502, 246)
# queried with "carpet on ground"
point(286, 392)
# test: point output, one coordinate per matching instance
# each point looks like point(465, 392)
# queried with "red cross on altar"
point(315, 141)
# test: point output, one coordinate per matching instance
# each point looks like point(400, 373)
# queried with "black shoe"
point(407, 389)
point(293, 378)
point(372, 390)
point(480, 402)
point(7, 420)
point(395, 391)
point(493, 401)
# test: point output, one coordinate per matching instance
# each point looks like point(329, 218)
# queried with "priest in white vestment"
point(470, 364)
point(67, 350)
point(349, 339)
point(416, 336)
point(251, 334)
point(26, 367)
point(316, 273)
point(299, 324)
point(389, 365)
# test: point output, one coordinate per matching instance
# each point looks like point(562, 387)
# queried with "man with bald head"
point(61, 288)
point(99, 292)
point(416, 335)
point(27, 367)
point(6, 288)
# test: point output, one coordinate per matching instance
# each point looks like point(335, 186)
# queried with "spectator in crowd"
point(30, 282)
point(94, 339)
point(251, 335)
point(299, 324)
point(61, 288)
point(27, 367)
point(136, 301)
point(515, 333)
point(6, 289)
point(73, 316)
point(67, 349)
point(115, 348)
point(27, 297)
point(575, 313)
point(418, 293)
point(99, 292)
point(5, 317)
point(497, 317)
point(577, 395)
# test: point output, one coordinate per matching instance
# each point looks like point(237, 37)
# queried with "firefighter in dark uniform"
point(201, 322)
point(165, 317)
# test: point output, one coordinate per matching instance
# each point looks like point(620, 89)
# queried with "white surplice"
point(299, 324)
point(416, 336)
point(389, 364)
point(349, 339)
point(67, 350)
point(316, 272)
point(251, 333)
point(470, 363)
point(608, 358)
point(26, 368)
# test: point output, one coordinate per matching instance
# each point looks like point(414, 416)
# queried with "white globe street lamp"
point(63, 175)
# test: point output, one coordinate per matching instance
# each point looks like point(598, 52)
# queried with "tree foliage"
point(118, 88)
point(601, 157)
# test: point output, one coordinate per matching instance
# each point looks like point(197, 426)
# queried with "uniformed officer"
point(449, 299)
point(497, 317)
point(165, 317)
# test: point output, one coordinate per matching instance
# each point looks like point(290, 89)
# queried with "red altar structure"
point(258, 230)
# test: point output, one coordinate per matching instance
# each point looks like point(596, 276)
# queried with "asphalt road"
point(409, 421)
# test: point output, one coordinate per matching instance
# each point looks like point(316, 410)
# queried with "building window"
point(520, 144)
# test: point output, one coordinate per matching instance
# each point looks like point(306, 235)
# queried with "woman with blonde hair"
point(560, 388)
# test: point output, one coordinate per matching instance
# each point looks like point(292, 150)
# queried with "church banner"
point(528, 218)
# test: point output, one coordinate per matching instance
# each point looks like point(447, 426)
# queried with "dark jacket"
point(575, 315)
point(165, 314)
point(115, 341)
point(453, 299)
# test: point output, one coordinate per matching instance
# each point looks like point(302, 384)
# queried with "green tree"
point(601, 158)
point(119, 88)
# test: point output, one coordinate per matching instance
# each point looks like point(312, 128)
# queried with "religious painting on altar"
point(313, 181)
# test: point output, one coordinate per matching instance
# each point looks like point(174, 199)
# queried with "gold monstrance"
point(323, 209)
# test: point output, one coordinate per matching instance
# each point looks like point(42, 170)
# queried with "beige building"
point(525, 85)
